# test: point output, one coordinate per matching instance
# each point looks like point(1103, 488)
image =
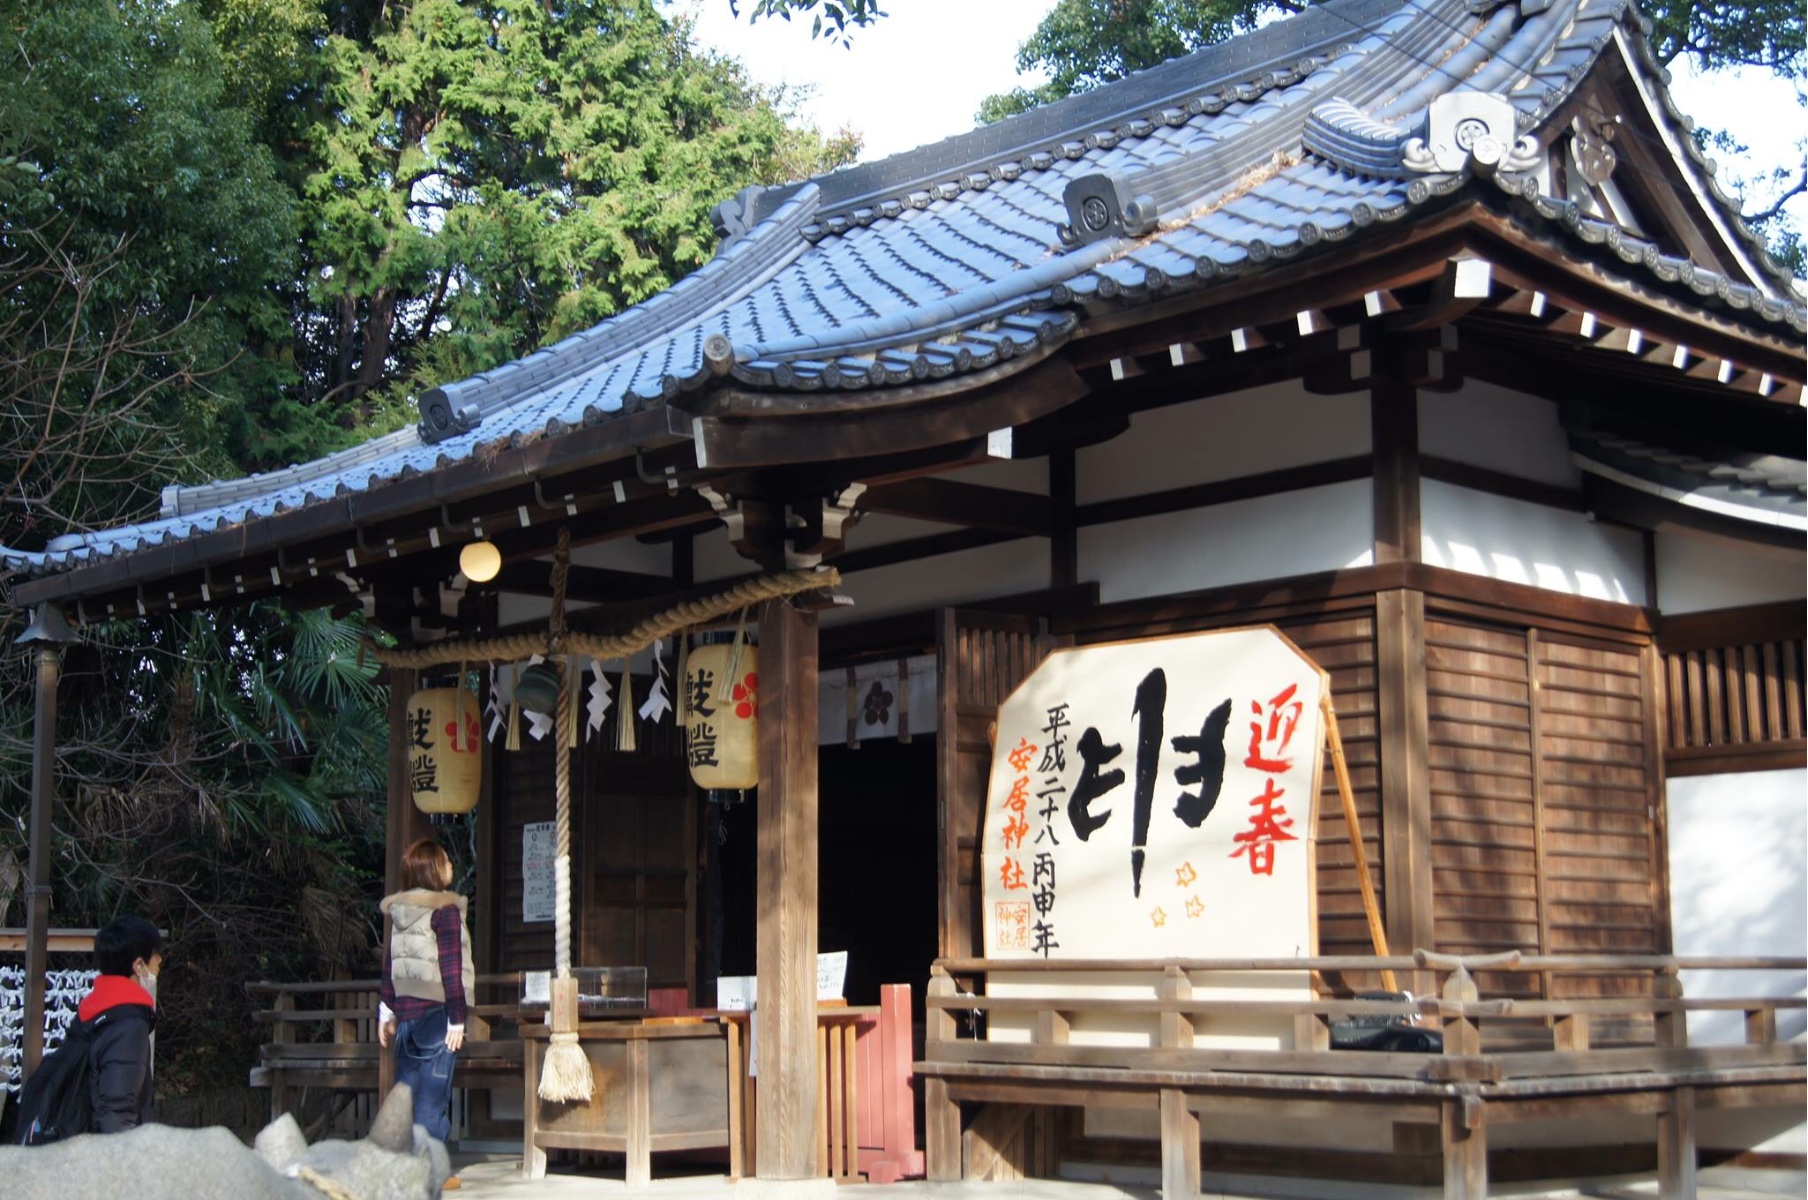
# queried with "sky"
point(920, 74)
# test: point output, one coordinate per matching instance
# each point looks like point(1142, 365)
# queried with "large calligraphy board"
point(1157, 799)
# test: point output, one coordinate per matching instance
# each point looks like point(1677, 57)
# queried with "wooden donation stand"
point(659, 1086)
point(659, 1083)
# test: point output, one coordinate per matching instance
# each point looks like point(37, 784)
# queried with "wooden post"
point(282, 1033)
point(1377, 935)
point(1464, 1134)
point(786, 937)
point(37, 892)
point(941, 1116)
point(1676, 1166)
point(1179, 1123)
point(637, 1168)
point(1403, 726)
point(533, 1159)
point(406, 823)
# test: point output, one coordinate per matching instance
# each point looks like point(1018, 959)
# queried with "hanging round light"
point(722, 715)
point(445, 751)
point(480, 561)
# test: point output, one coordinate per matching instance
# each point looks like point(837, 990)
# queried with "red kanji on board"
point(1019, 799)
point(1021, 756)
point(1267, 825)
point(1269, 739)
point(1015, 830)
point(1011, 876)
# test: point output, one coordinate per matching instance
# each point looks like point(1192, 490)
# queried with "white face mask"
point(147, 979)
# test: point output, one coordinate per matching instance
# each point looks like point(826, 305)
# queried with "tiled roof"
point(1764, 488)
point(954, 257)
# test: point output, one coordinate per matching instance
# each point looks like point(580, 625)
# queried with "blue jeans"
point(425, 1065)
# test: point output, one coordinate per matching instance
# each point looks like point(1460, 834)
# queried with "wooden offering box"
point(659, 1087)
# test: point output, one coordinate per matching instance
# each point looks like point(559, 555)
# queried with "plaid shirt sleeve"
point(446, 922)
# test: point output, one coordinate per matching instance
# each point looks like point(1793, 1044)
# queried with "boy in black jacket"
point(128, 953)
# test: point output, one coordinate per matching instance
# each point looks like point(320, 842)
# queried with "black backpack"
point(57, 1102)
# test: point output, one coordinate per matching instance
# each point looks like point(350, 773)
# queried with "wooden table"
point(659, 1086)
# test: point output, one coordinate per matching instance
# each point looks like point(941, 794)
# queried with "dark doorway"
point(877, 862)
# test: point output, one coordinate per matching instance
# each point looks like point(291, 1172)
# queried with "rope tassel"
point(565, 1076)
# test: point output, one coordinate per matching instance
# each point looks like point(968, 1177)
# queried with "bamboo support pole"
point(1370, 907)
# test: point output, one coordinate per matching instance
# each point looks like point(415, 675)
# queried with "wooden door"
point(1543, 770)
point(982, 656)
point(638, 883)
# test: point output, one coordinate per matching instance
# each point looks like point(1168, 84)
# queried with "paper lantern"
point(445, 750)
point(722, 715)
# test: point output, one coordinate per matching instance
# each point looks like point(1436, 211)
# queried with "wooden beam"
point(1464, 285)
point(972, 505)
point(1002, 397)
point(873, 557)
point(57, 941)
point(1499, 483)
point(1223, 491)
point(787, 873)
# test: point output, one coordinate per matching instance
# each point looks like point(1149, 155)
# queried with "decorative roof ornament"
point(1478, 131)
point(1103, 206)
point(441, 420)
point(1590, 146)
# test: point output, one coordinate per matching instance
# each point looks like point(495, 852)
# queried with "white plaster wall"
point(880, 529)
point(1224, 437)
point(1519, 542)
point(966, 577)
point(1270, 537)
point(714, 557)
point(1502, 430)
point(1697, 572)
point(1739, 885)
point(624, 554)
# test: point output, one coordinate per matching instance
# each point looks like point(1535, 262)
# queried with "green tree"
point(478, 179)
point(1081, 44)
point(164, 209)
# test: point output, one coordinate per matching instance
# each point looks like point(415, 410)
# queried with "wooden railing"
point(1734, 682)
point(324, 1036)
point(1457, 1093)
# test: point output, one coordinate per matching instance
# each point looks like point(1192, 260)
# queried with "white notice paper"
point(539, 846)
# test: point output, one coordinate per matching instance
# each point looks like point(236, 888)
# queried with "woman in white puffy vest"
point(426, 971)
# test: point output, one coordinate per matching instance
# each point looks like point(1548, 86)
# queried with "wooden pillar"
point(406, 822)
point(43, 807)
point(1064, 540)
point(1394, 433)
point(1404, 751)
point(786, 930)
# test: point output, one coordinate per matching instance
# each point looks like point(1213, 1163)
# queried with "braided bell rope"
point(674, 620)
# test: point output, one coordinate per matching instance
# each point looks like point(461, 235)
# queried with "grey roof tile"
point(922, 266)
